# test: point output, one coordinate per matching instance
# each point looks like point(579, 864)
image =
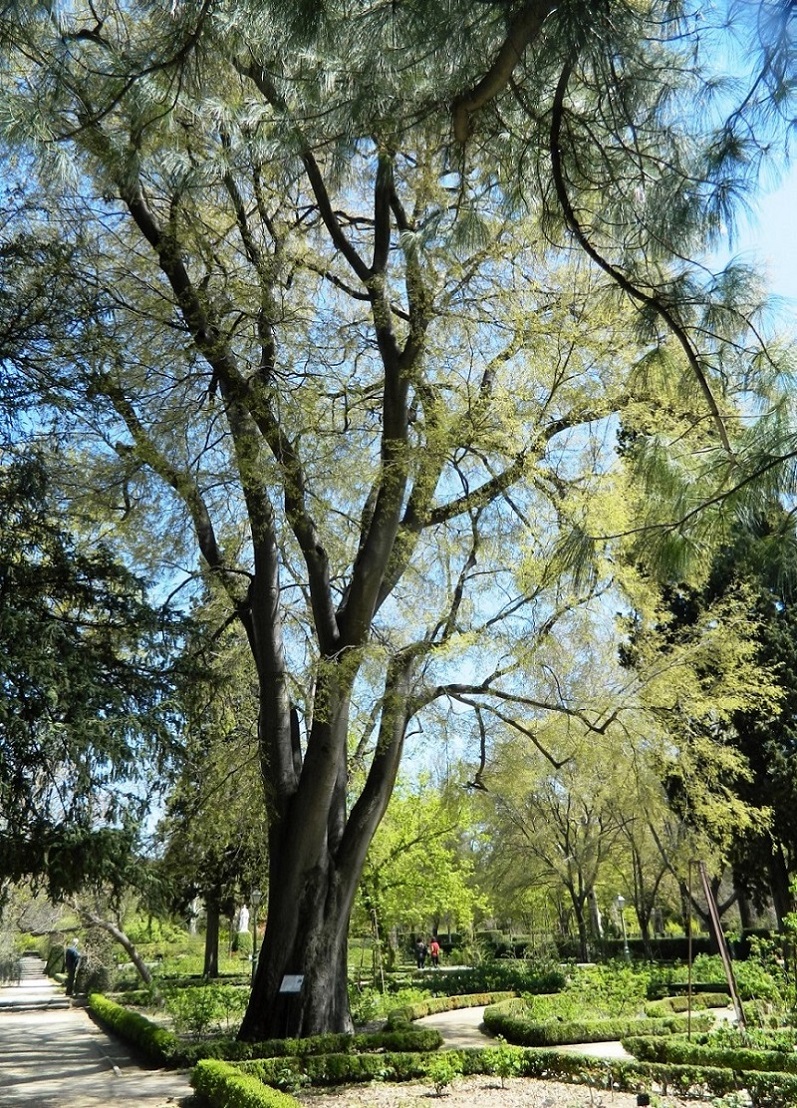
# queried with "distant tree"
point(762, 557)
point(418, 872)
point(212, 837)
point(86, 676)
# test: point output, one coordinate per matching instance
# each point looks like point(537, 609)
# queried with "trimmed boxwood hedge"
point(157, 1043)
point(226, 1087)
point(167, 1049)
point(506, 1019)
point(767, 1088)
point(408, 1040)
point(400, 1017)
point(337, 1069)
point(683, 1052)
point(673, 1004)
point(507, 976)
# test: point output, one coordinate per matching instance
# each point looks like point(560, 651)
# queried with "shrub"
point(683, 1052)
point(242, 944)
point(193, 1011)
point(503, 1060)
point(510, 1020)
point(224, 1086)
point(508, 975)
point(199, 1009)
point(156, 1042)
point(673, 1004)
point(339, 1069)
point(401, 1017)
point(366, 1004)
point(442, 1070)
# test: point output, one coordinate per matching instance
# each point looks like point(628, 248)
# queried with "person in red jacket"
point(434, 951)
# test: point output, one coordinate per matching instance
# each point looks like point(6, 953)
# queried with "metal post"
point(621, 914)
point(689, 956)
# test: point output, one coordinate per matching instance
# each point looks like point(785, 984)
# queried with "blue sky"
point(769, 236)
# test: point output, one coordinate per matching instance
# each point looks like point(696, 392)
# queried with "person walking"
point(434, 951)
point(72, 961)
point(420, 952)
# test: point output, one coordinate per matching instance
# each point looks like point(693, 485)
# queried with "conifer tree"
point(332, 328)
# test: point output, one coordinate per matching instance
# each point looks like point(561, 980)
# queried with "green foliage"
point(505, 975)
point(224, 1086)
point(156, 1042)
point(672, 1004)
point(512, 1020)
point(199, 1009)
point(547, 1064)
point(204, 1005)
point(86, 686)
point(683, 1052)
point(153, 934)
point(339, 1069)
point(754, 980)
point(443, 1070)
point(401, 1017)
point(417, 869)
point(242, 944)
point(614, 989)
point(347, 371)
point(503, 1060)
point(366, 1004)
point(782, 1039)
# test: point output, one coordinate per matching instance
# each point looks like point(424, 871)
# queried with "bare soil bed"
point(483, 1092)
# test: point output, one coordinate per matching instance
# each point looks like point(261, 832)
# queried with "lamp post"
point(620, 906)
point(257, 896)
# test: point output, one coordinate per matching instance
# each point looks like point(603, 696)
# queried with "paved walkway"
point(464, 1027)
point(53, 1056)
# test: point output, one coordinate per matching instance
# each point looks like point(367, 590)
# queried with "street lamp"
point(620, 906)
point(257, 896)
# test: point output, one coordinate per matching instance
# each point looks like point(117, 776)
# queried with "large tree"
point(328, 321)
point(86, 686)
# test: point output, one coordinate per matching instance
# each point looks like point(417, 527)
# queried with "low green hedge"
point(768, 1089)
point(659, 988)
point(400, 1017)
point(226, 1087)
point(167, 1049)
point(337, 1069)
point(506, 1019)
point(510, 975)
point(157, 1043)
point(673, 1004)
point(683, 1052)
point(230, 1050)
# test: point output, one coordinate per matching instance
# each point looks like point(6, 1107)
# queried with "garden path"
point(464, 1027)
point(53, 1056)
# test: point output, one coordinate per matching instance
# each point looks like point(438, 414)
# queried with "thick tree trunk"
point(308, 939)
point(211, 968)
point(779, 884)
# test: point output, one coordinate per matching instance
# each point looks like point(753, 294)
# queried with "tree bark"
point(779, 884)
point(306, 937)
point(211, 967)
point(316, 856)
point(119, 935)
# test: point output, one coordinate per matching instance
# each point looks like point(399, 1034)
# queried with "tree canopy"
point(87, 671)
point(358, 294)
